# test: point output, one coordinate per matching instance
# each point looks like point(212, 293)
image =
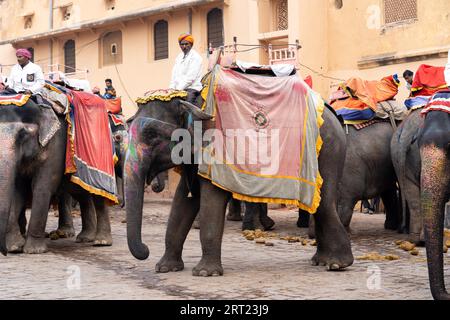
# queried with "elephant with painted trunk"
point(32, 165)
point(150, 153)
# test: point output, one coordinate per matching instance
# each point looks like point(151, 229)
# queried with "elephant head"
point(434, 144)
point(149, 153)
point(25, 132)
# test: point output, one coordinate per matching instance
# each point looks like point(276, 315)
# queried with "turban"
point(24, 53)
point(187, 37)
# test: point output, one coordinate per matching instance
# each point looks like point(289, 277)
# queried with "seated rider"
point(408, 75)
point(110, 92)
point(25, 77)
point(187, 71)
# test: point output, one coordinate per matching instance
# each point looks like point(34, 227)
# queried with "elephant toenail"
point(334, 267)
point(203, 273)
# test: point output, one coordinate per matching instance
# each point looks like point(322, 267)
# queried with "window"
point(161, 40)
point(282, 15)
point(69, 56)
point(215, 28)
point(31, 49)
point(28, 22)
point(112, 48)
point(66, 12)
point(399, 11)
point(338, 4)
point(110, 4)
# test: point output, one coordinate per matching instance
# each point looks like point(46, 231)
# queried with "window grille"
point(399, 10)
point(161, 40)
point(282, 17)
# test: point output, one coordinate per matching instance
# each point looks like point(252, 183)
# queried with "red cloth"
point(114, 105)
point(90, 145)
point(428, 80)
point(309, 81)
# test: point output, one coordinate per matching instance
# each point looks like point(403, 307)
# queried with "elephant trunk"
point(7, 174)
point(433, 205)
point(135, 177)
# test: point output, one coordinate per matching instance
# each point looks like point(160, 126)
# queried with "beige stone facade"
point(116, 39)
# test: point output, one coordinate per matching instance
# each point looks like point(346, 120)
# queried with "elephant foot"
point(35, 245)
point(333, 261)
point(234, 216)
point(391, 225)
point(208, 268)
point(62, 233)
point(166, 265)
point(85, 237)
point(15, 242)
point(103, 240)
point(267, 223)
point(417, 239)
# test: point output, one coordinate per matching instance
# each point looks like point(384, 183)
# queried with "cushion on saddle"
point(440, 101)
point(17, 99)
point(267, 140)
point(428, 80)
point(114, 106)
point(417, 102)
point(161, 95)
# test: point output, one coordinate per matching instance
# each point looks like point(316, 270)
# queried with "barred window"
point(215, 28)
point(399, 10)
point(161, 39)
point(282, 15)
point(69, 56)
point(112, 48)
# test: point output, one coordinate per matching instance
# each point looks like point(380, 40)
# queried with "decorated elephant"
point(150, 153)
point(434, 146)
point(32, 165)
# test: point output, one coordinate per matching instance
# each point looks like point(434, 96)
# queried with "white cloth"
point(447, 70)
point(29, 77)
point(187, 72)
point(280, 70)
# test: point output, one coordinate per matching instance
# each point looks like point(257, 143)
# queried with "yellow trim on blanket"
point(52, 88)
point(162, 95)
point(353, 122)
point(432, 88)
point(71, 144)
point(94, 190)
point(20, 103)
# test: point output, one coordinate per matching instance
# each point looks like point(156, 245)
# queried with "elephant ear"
point(49, 125)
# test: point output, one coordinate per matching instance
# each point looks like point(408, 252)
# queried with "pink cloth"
point(24, 53)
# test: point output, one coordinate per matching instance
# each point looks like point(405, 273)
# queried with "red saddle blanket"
point(428, 80)
point(438, 102)
point(90, 152)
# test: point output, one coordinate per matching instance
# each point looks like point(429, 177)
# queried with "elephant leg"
point(103, 235)
point(416, 233)
point(65, 220)
point(251, 212)
point(88, 219)
point(182, 215)
point(234, 210)
point(391, 204)
point(345, 211)
point(213, 204)
point(266, 221)
point(303, 219)
point(36, 241)
point(15, 236)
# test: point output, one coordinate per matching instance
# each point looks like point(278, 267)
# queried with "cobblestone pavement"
point(252, 271)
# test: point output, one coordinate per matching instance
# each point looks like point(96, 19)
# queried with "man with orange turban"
point(26, 77)
point(187, 72)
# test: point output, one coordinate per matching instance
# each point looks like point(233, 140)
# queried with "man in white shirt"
point(26, 77)
point(447, 71)
point(187, 72)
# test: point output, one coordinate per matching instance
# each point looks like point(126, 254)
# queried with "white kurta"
point(28, 78)
point(187, 72)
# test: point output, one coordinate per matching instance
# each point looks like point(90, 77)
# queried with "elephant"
point(32, 165)
point(149, 153)
point(406, 160)
point(369, 172)
point(254, 214)
point(434, 146)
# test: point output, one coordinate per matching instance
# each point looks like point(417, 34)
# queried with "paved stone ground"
point(252, 271)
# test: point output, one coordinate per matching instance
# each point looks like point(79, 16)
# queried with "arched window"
point(215, 28)
point(112, 48)
point(32, 53)
point(69, 56)
point(161, 40)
